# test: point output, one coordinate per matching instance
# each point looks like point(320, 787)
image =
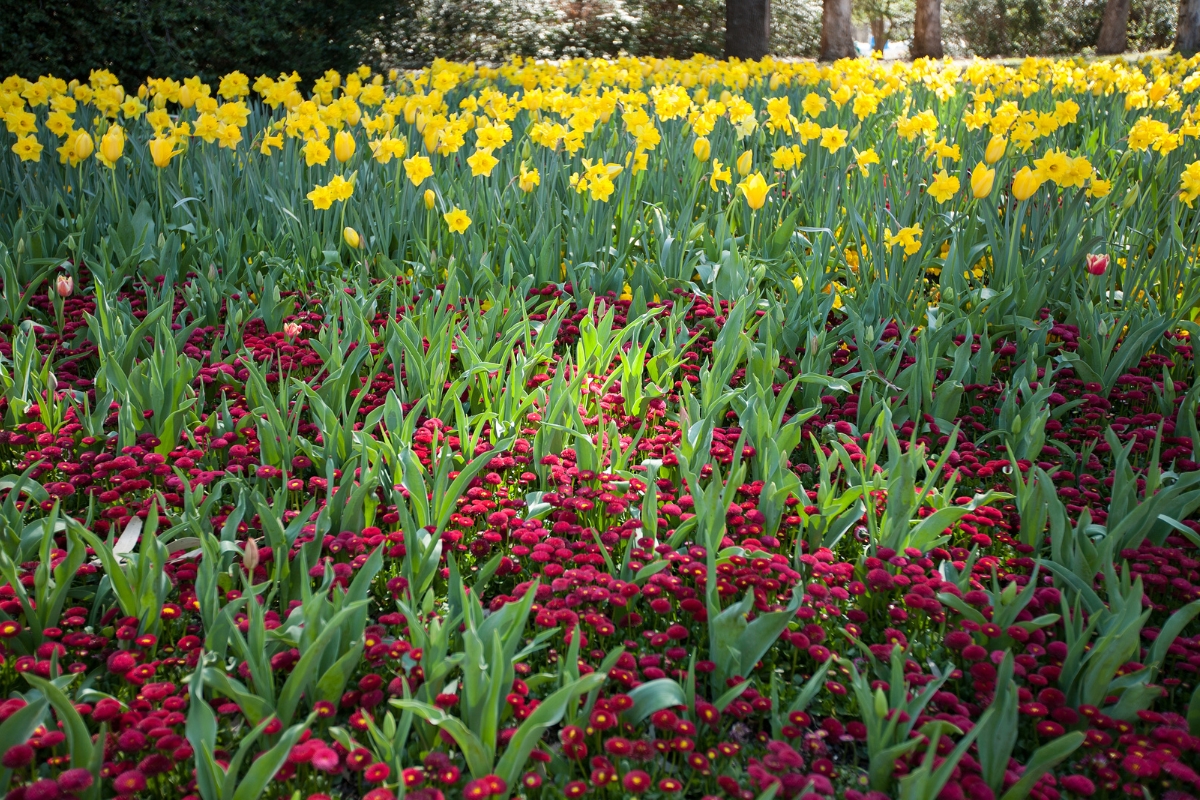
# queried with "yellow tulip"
point(982, 180)
point(1025, 183)
point(995, 149)
point(755, 188)
point(351, 237)
point(430, 198)
point(744, 162)
point(162, 151)
point(343, 146)
point(701, 148)
point(83, 145)
point(112, 145)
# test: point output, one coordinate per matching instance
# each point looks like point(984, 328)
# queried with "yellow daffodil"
point(482, 162)
point(865, 159)
point(321, 197)
point(528, 179)
point(909, 238)
point(457, 219)
point(720, 174)
point(418, 169)
point(833, 139)
point(28, 148)
point(1189, 183)
point(944, 186)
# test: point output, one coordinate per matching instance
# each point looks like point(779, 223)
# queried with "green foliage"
point(209, 38)
point(1049, 27)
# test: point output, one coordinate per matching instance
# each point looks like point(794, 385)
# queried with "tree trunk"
point(747, 28)
point(879, 32)
point(927, 30)
point(1187, 32)
point(1114, 28)
point(837, 38)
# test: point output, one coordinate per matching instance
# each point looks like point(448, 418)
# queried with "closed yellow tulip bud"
point(430, 199)
point(187, 98)
point(1025, 183)
point(702, 149)
point(112, 145)
point(351, 237)
point(162, 151)
point(744, 162)
point(755, 188)
point(343, 146)
point(83, 145)
point(982, 180)
point(995, 149)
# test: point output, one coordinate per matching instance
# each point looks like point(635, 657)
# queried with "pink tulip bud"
point(291, 329)
point(65, 285)
point(1097, 264)
point(250, 555)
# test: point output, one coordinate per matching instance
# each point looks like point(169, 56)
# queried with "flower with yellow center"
point(270, 140)
point(865, 159)
point(321, 197)
point(720, 174)
point(1025, 183)
point(60, 123)
point(28, 148)
point(457, 219)
point(1189, 183)
point(482, 163)
point(418, 169)
point(1099, 188)
point(944, 186)
point(340, 188)
point(813, 104)
point(315, 152)
point(1055, 165)
point(909, 238)
point(833, 139)
point(528, 179)
point(755, 189)
point(343, 146)
point(983, 178)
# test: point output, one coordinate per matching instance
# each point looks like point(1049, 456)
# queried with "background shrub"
point(1049, 27)
point(137, 38)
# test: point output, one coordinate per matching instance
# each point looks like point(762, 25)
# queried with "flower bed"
point(344, 463)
